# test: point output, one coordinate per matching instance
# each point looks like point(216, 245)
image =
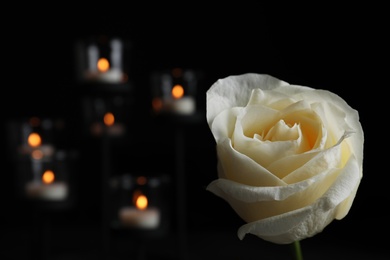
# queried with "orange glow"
point(142, 202)
point(136, 194)
point(34, 140)
point(177, 91)
point(109, 119)
point(48, 177)
point(103, 65)
point(141, 180)
point(157, 104)
point(177, 72)
point(37, 154)
point(35, 121)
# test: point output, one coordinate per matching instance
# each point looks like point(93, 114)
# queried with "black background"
point(341, 49)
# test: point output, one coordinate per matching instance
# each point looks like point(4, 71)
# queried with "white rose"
point(290, 157)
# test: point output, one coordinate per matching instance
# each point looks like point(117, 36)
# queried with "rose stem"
point(296, 248)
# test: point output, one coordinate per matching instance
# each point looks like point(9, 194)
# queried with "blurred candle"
point(182, 104)
point(109, 125)
point(105, 68)
point(47, 188)
point(34, 144)
point(174, 91)
point(140, 216)
point(108, 74)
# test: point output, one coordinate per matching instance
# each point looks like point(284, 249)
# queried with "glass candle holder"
point(142, 203)
point(31, 135)
point(47, 179)
point(106, 114)
point(42, 168)
point(174, 91)
point(102, 60)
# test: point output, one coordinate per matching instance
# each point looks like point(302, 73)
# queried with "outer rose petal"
point(308, 221)
point(258, 202)
point(235, 92)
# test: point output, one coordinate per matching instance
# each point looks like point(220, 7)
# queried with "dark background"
point(341, 49)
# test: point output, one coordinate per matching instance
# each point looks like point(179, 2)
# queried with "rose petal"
point(236, 91)
point(254, 203)
point(263, 152)
point(249, 194)
point(320, 172)
point(299, 167)
point(239, 167)
point(271, 99)
point(224, 124)
point(308, 221)
point(283, 132)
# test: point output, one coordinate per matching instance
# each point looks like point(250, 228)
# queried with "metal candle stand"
point(180, 123)
point(119, 190)
point(125, 183)
point(119, 215)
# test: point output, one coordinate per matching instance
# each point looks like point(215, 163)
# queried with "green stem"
point(297, 252)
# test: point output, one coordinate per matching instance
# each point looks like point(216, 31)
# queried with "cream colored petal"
point(254, 203)
point(334, 122)
point(249, 194)
point(310, 220)
point(224, 124)
point(256, 119)
point(265, 152)
point(346, 205)
point(269, 129)
point(340, 115)
point(347, 120)
point(310, 125)
point(321, 161)
point(295, 91)
point(248, 142)
point(289, 164)
point(283, 132)
point(235, 91)
point(289, 227)
point(269, 98)
point(240, 168)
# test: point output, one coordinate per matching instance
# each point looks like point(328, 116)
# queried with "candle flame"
point(103, 64)
point(177, 91)
point(109, 119)
point(142, 202)
point(34, 140)
point(48, 177)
